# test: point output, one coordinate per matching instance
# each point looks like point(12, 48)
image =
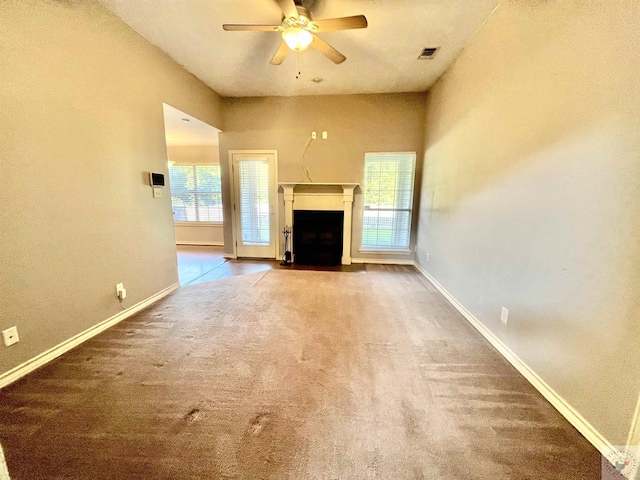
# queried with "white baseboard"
point(4, 472)
point(634, 433)
point(383, 261)
point(231, 256)
point(45, 357)
point(204, 244)
point(560, 404)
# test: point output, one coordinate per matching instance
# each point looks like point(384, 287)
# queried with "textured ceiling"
point(381, 58)
point(193, 132)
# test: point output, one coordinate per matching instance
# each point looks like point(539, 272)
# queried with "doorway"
point(195, 186)
point(255, 203)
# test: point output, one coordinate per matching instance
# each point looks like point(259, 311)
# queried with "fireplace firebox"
point(317, 237)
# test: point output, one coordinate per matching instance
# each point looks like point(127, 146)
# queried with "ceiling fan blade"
point(282, 52)
point(343, 23)
point(327, 50)
point(289, 9)
point(231, 27)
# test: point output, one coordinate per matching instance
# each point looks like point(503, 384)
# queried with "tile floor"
point(198, 264)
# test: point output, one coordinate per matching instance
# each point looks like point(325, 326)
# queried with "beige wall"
point(82, 123)
point(199, 234)
point(531, 195)
point(194, 154)
point(356, 124)
point(196, 233)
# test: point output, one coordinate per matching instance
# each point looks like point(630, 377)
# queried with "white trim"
point(391, 154)
point(386, 252)
point(45, 357)
point(318, 184)
point(560, 404)
point(232, 191)
point(234, 233)
point(208, 244)
point(323, 200)
point(313, 194)
point(634, 433)
point(230, 256)
point(193, 163)
point(4, 471)
point(382, 261)
point(197, 224)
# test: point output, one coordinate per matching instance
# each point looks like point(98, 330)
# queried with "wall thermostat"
point(156, 179)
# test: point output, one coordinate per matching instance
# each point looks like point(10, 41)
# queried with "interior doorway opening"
point(195, 186)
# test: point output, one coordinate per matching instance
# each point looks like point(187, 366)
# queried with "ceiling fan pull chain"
point(298, 65)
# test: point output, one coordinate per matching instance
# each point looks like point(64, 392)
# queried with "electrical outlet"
point(504, 316)
point(427, 257)
point(10, 336)
point(121, 292)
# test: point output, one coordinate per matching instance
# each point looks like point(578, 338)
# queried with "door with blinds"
point(255, 191)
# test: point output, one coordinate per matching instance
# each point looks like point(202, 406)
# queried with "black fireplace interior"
point(317, 237)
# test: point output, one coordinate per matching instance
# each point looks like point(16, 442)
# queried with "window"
point(254, 202)
point(196, 193)
point(388, 198)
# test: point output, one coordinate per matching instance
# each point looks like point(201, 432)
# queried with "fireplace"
point(317, 237)
point(334, 199)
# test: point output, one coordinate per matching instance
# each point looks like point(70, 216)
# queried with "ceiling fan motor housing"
point(299, 30)
point(304, 20)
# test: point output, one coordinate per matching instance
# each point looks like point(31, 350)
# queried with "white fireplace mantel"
point(321, 196)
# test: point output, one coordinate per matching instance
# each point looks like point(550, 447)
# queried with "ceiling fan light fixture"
point(297, 38)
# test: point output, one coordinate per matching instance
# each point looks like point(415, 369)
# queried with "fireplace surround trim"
point(321, 196)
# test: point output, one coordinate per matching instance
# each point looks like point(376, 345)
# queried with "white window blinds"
point(254, 201)
point(388, 199)
point(196, 193)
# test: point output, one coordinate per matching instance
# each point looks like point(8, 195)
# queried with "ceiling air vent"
point(428, 53)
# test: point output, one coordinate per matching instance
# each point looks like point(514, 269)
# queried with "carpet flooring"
point(288, 374)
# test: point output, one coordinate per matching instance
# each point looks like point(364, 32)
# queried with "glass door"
point(255, 190)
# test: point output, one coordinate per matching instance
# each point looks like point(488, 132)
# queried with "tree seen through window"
point(196, 193)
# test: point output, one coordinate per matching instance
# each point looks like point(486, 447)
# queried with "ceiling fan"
point(299, 30)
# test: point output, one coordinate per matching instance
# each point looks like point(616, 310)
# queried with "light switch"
point(157, 193)
point(504, 316)
point(324, 135)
